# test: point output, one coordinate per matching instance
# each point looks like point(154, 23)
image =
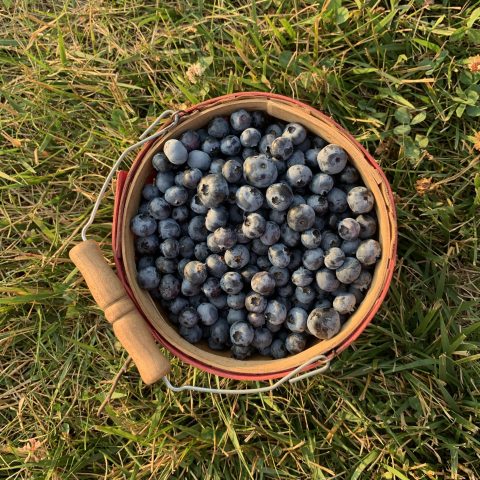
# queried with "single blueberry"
point(148, 278)
point(147, 245)
point(143, 225)
point(332, 159)
point(175, 151)
point(323, 323)
point(199, 159)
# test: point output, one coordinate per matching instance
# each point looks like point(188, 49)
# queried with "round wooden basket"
point(129, 195)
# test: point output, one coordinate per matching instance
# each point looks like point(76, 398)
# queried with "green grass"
point(80, 81)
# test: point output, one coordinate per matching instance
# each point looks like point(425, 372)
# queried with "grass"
point(81, 80)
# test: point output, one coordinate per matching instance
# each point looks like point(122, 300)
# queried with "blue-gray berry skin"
point(197, 229)
point(177, 305)
point(349, 271)
point(254, 302)
point(191, 178)
point(279, 255)
point(159, 208)
point(188, 317)
point(321, 184)
point(274, 129)
point(199, 159)
point(242, 353)
point(165, 265)
point(305, 145)
point(318, 203)
point(281, 148)
point(180, 214)
point(271, 234)
point(349, 175)
point(218, 127)
point(259, 119)
point(360, 200)
point(330, 239)
point(179, 179)
point(191, 335)
point(191, 140)
point(332, 159)
point(212, 190)
point(220, 302)
point(143, 225)
point(286, 291)
point(256, 319)
point(359, 295)
point(170, 248)
point(211, 288)
point(181, 265)
point(216, 265)
point(236, 300)
point(262, 338)
point(265, 144)
point(368, 226)
point(301, 217)
point(225, 237)
point(296, 259)
point(196, 206)
point(297, 158)
point(297, 320)
point(169, 228)
point(143, 208)
point(363, 281)
point(273, 327)
point(249, 152)
point(278, 349)
point(259, 171)
point(345, 303)
point(175, 151)
point(295, 343)
point(318, 142)
point(195, 272)
point(368, 252)
point(248, 272)
point(146, 261)
point(148, 278)
point(327, 280)
point(169, 287)
point(201, 251)
point(302, 277)
point(240, 120)
point(313, 259)
point(150, 191)
point(232, 171)
point(348, 229)
point(147, 245)
point(298, 176)
point(160, 163)
point(311, 238)
point(279, 196)
point(241, 237)
point(207, 313)
point(241, 333)
point(217, 165)
point(349, 247)
point(230, 145)
point(235, 315)
point(334, 258)
point(202, 134)
point(231, 283)
point(263, 283)
point(275, 312)
point(263, 262)
point(305, 294)
point(216, 218)
point(237, 256)
point(277, 216)
point(257, 246)
point(311, 158)
point(254, 225)
point(337, 200)
point(215, 345)
point(249, 198)
point(212, 244)
point(165, 180)
point(323, 323)
point(295, 132)
point(250, 137)
point(298, 200)
point(280, 275)
point(176, 196)
point(211, 146)
point(220, 331)
point(235, 214)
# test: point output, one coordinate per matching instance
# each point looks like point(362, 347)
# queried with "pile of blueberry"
point(255, 235)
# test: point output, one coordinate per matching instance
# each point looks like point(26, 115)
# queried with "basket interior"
point(320, 125)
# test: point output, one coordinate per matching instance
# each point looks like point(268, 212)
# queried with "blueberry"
point(241, 333)
point(146, 261)
point(349, 247)
point(295, 343)
point(240, 120)
point(275, 312)
point(281, 148)
point(305, 294)
point(349, 175)
point(220, 331)
point(249, 198)
point(368, 226)
point(274, 129)
point(271, 234)
point(318, 203)
point(363, 281)
point(177, 305)
point(168, 228)
point(231, 283)
point(332, 159)
point(235, 315)
point(241, 237)
point(232, 171)
point(360, 200)
point(368, 252)
point(240, 352)
point(263, 283)
point(147, 245)
point(279, 255)
point(330, 239)
point(211, 288)
point(212, 190)
point(216, 218)
point(197, 206)
point(236, 300)
point(150, 191)
point(254, 225)
point(237, 256)
point(297, 320)
point(169, 287)
point(357, 293)
point(256, 319)
point(202, 134)
point(262, 338)
point(220, 302)
point(348, 229)
point(298, 200)
point(197, 230)
point(249, 271)
point(298, 176)
point(301, 217)
point(345, 303)
point(279, 196)
point(337, 200)
point(217, 165)
point(236, 214)
point(302, 277)
point(278, 349)
point(201, 251)
point(277, 216)
point(212, 244)
point(176, 196)
point(289, 237)
point(148, 278)
point(323, 323)
point(195, 272)
point(265, 144)
point(211, 146)
point(179, 179)
point(321, 184)
point(143, 208)
point(207, 313)
point(334, 258)
point(258, 119)
point(214, 345)
point(305, 145)
point(296, 259)
point(165, 265)
point(181, 213)
point(143, 225)
point(326, 280)
point(318, 142)
point(249, 152)
point(216, 265)
point(250, 137)
point(286, 291)
point(295, 132)
point(199, 159)
point(259, 171)
point(175, 151)
point(225, 237)
point(230, 145)
point(191, 178)
point(170, 248)
point(163, 181)
point(311, 158)
point(218, 127)
point(191, 335)
point(186, 247)
point(263, 262)
point(254, 302)
point(190, 140)
point(160, 163)
point(311, 238)
point(349, 271)
point(159, 208)
point(297, 158)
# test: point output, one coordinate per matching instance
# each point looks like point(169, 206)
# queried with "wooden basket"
point(128, 197)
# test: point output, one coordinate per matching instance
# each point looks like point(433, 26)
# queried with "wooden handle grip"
point(128, 325)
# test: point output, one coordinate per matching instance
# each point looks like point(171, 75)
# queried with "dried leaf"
point(424, 185)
